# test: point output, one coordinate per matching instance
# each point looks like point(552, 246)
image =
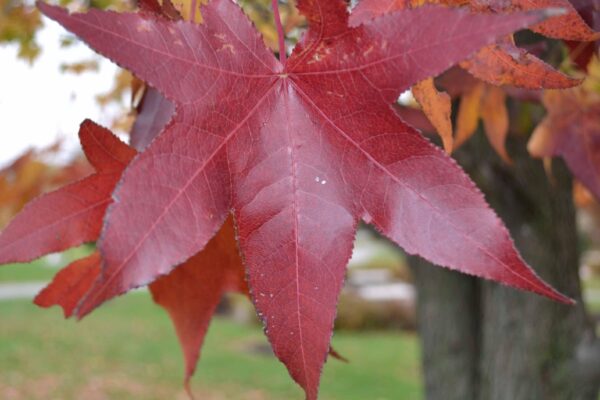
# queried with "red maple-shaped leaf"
point(73, 214)
point(299, 152)
point(190, 293)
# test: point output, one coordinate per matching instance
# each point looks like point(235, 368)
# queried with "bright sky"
point(39, 104)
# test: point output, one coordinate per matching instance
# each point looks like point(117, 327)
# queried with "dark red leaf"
point(163, 9)
point(154, 112)
point(71, 215)
point(415, 118)
point(567, 25)
point(70, 284)
point(300, 152)
point(502, 63)
point(192, 291)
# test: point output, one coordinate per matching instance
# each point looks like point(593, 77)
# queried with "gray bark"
point(448, 320)
point(483, 341)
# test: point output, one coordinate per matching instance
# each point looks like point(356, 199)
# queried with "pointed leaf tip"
point(70, 284)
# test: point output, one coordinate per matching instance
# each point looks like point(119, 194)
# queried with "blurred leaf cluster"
point(19, 23)
point(33, 174)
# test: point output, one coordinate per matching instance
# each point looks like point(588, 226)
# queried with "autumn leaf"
point(437, 106)
point(487, 103)
point(154, 112)
point(503, 63)
point(19, 23)
point(567, 25)
point(495, 119)
point(73, 214)
point(581, 52)
point(300, 152)
point(498, 64)
point(70, 284)
point(571, 130)
point(469, 111)
point(191, 292)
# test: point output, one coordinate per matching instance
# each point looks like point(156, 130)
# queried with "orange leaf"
point(568, 26)
point(495, 119)
point(468, 114)
point(505, 64)
point(437, 106)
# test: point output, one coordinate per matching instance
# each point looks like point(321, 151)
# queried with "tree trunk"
point(448, 320)
point(488, 342)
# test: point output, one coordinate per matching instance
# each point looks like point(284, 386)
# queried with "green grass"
point(127, 350)
point(41, 269)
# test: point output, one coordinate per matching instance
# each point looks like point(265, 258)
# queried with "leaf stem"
point(193, 7)
point(280, 33)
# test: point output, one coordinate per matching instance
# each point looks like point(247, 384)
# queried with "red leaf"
point(505, 64)
point(192, 291)
point(502, 63)
point(571, 130)
point(164, 9)
point(300, 152)
point(415, 118)
point(71, 215)
point(70, 284)
point(568, 26)
point(154, 112)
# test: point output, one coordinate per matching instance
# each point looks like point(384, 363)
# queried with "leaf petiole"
point(280, 33)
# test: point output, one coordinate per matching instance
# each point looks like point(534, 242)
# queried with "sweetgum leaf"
point(571, 130)
point(495, 119)
point(469, 111)
point(502, 63)
point(154, 112)
point(192, 291)
point(73, 214)
point(568, 25)
point(299, 152)
point(70, 284)
point(437, 106)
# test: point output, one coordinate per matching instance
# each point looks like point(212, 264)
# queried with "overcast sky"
point(38, 103)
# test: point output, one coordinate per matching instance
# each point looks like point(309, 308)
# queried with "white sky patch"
point(39, 103)
point(406, 98)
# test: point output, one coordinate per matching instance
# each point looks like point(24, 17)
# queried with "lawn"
point(127, 350)
point(42, 269)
